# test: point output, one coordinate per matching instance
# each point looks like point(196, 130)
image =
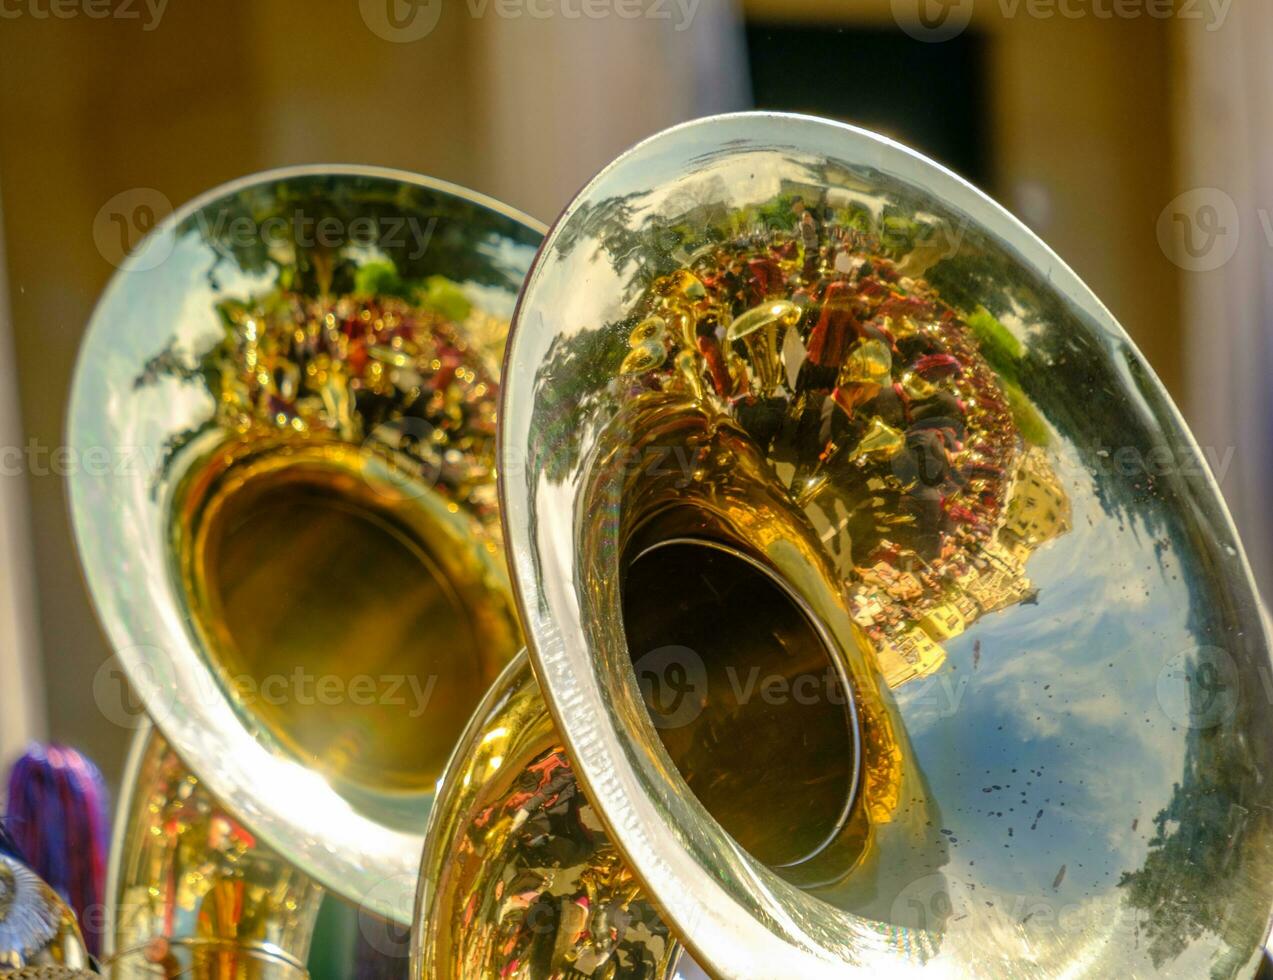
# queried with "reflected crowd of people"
point(877, 407)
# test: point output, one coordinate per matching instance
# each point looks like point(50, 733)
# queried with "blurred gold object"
point(192, 891)
point(302, 573)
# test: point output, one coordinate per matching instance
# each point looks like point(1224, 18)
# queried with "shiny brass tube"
point(519, 879)
point(192, 892)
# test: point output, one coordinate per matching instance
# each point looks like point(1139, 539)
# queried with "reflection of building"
point(909, 654)
point(943, 622)
point(991, 578)
point(1039, 509)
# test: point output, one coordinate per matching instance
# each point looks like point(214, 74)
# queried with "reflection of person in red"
point(766, 278)
point(709, 347)
point(830, 338)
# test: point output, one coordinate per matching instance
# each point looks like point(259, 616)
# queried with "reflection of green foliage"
point(310, 228)
point(445, 298)
point(1190, 883)
point(779, 213)
point(1066, 369)
point(973, 278)
point(1202, 881)
point(379, 279)
point(856, 217)
point(998, 346)
point(898, 232)
point(436, 293)
point(1027, 418)
point(1004, 352)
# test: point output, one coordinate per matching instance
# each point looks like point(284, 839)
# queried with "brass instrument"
point(884, 617)
point(292, 537)
point(192, 889)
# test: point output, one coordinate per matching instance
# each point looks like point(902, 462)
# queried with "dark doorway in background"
point(929, 96)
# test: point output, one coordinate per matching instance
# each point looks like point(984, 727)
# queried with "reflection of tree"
point(645, 248)
point(1071, 374)
point(304, 226)
point(1192, 881)
point(1208, 861)
point(974, 277)
point(571, 383)
point(779, 213)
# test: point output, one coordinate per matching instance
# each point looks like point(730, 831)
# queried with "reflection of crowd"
point(362, 368)
point(565, 903)
point(868, 393)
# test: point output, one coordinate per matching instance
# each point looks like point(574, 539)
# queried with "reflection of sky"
point(1054, 751)
point(1065, 692)
point(142, 313)
point(495, 300)
point(1058, 734)
point(510, 257)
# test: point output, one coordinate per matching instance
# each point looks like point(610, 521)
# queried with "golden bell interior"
point(344, 617)
point(706, 625)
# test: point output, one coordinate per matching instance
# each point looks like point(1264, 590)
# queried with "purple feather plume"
point(59, 820)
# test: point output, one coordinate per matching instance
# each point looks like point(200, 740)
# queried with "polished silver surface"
point(1069, 775)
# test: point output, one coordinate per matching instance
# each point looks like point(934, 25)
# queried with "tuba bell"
point(301, 569)
point(883, 618)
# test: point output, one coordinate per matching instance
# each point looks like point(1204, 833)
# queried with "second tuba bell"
point(301, 569)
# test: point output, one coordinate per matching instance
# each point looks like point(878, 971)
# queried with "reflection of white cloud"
point(495, 300)
point(512, 257)
point(1061, 716)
